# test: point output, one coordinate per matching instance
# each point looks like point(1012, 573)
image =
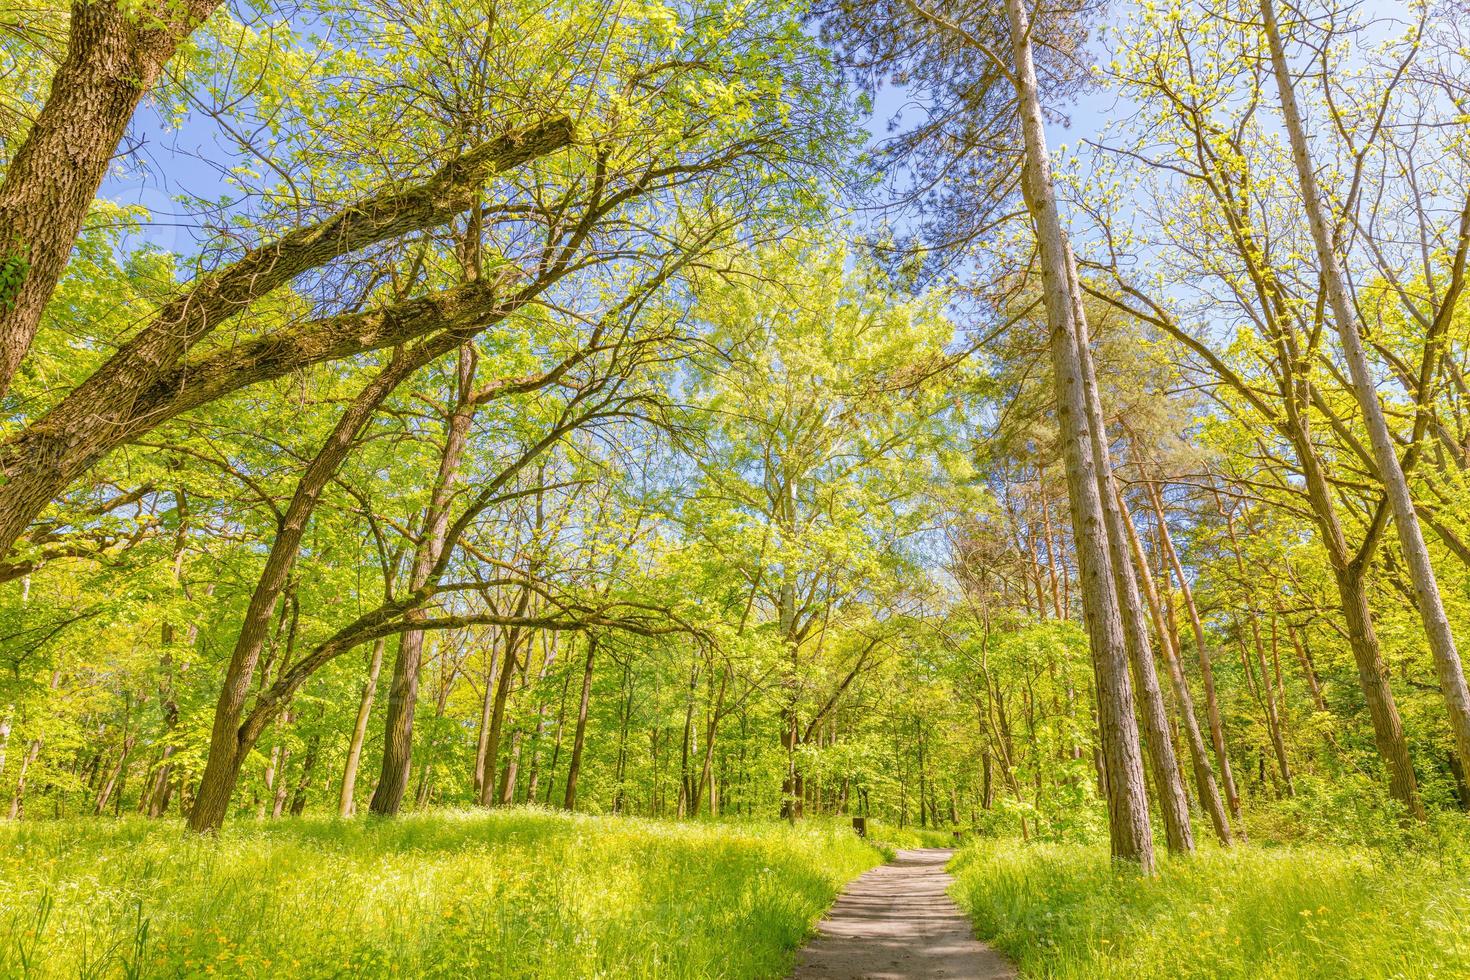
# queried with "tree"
point(953, 42)
point(115, 52)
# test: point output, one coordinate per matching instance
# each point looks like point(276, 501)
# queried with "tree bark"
point(579, 739)
point(114, 775)
point(1441, 639)
point(487, 704)
point(150, 380)
point(1202, 651)
point(1275, 708)
point(114, 54)
point(1204, 776)
point(497, 714)
point(1128, 819)
point(226, 752)
point(347, 798)
point(403, 693)
point(1173, 803)
point(687, 789)
point(308, 769)
point(706, 777)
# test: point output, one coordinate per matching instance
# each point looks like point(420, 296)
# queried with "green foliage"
point(897, 838)
point(13, 270)
point(506, 894)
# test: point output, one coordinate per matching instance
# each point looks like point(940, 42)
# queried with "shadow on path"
point(898, 923)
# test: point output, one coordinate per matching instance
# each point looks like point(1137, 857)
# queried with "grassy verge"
point(1251, 912)
point(897, 838)
point(504, 894)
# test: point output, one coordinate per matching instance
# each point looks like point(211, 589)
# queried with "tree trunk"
point(1447, 663)
point(549, 644)
point(487, 704)
point(574, 766)
point(403, 692)
point(1202, 651)
point(1309, 669)
point(1173, 804)
point(687, 789)
point(1128, 818)
point(620, 768)
point(114, 54)
point(712, 725)
point(497, 718)
point(114, 775)
point(280, 789)
point(561, 728)
point(347, 798)
point(507, 793)
point(17, 799)
point(1275, 707)
point(308, 768)
point(1204, 776)
point(227, 744)
point(150, 378)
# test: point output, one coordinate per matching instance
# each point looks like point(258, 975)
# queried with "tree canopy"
point(604, 405)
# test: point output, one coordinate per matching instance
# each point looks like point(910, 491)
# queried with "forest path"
point(897, 922)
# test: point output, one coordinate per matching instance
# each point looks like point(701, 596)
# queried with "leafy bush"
point(1348, 809)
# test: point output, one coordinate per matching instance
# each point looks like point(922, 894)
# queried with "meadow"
point(511, 893)
point(1257, 910)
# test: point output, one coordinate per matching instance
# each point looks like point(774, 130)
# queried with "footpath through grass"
point(503, 894)
point(1293, 911)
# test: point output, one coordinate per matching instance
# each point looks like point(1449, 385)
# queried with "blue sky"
point(188, 161)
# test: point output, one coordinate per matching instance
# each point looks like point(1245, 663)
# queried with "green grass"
point(894, 838)
point(504, 894)
point(1251, 912)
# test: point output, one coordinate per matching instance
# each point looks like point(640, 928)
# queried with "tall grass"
point(503, 894)
point(1250, 912)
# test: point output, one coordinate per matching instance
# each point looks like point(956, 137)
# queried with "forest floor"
point(1261, 910)
point(507, 893)
point(897, 922)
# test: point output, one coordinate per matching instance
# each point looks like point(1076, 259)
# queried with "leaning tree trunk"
point(706, 769)
point(1204, 776)
point(1348, 572)
point(226, 747)
point(497, 718)
point(403, 692)
point(1275, 706)
point(1447, 663)
point(1383, 712)
point(114, 54)
point(1173, 803)
point(1128, 819)
point(487, 703)
point(579, 739)
point(1202, 651)
point(347, 798)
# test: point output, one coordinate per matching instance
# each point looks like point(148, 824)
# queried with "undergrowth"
point(503, 894)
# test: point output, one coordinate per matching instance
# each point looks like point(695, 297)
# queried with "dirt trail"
point(897, 923)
